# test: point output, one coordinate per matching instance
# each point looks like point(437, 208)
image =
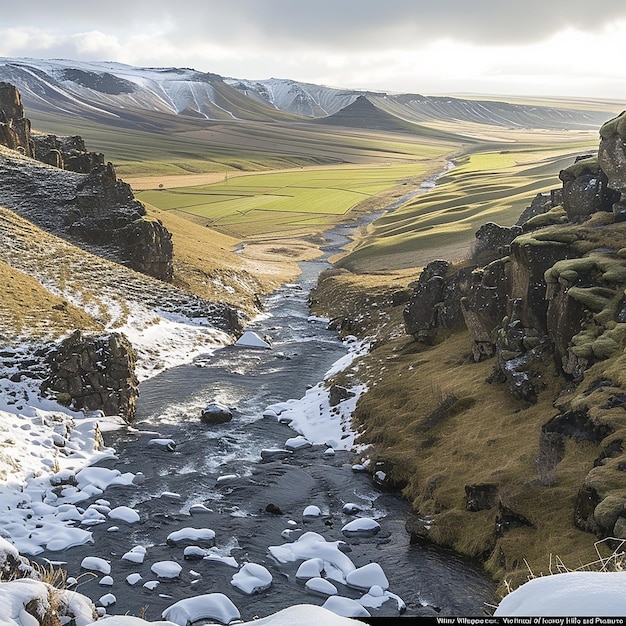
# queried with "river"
point(219, 467)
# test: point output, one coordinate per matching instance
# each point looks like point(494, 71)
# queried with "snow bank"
point(577, 594)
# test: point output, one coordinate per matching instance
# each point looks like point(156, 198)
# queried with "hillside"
point(496, 383)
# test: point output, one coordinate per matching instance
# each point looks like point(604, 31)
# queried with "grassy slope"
point(486, 186)
point(436, 425)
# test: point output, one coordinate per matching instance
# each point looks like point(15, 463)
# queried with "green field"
point(489, 186)
point(328, 172)
point(260, 204)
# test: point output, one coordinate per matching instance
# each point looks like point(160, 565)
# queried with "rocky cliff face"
point(93, 373)
point(93, 206)
point(545, 298)
point(14, 127)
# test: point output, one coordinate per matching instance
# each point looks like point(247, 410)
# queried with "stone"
point(608, 511)
point(216, 413)
point(67, 153)
point(493, 241)
point(485, 306)
point(480, 497)
point(150, 249)
point(585, 190)
point(436, 300)
point(97, 372)
point(530, 259)
point(15, 129)
point(612, 161)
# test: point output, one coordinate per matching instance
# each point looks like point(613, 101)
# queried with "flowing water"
point(220, 467)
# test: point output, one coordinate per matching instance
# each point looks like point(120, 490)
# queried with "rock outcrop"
point(67, 153)
point(108, 214)
point(546, 301)
point(14, 126)
point(94, 373)
point(96, 207)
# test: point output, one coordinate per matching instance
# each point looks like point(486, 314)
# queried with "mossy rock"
point(619, 529)
point(580, 168)
point(569, 269)
point(609, 510)
point(605, 347)
point(594, 298)
point(616, 126)
point(64, 399)
point(549, 218)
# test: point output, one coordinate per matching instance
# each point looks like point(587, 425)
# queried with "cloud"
point(401, 45)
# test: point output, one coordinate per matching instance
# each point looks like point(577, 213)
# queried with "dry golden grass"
point(436, 425)
point(30, 310)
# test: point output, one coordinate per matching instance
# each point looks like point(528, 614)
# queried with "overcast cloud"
point(543, 47)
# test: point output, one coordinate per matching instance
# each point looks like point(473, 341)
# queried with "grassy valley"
point(246, 200)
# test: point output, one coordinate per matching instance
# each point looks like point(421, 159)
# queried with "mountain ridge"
point(126, 95)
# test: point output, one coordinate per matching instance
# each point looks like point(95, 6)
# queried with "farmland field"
point(261, 204)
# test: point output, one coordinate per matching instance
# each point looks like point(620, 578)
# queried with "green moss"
point(569, 269)
point(580, 168)
point(616, 126)
point(64, 398)
point(605, 347)
point(553, 217)
point(594, 298)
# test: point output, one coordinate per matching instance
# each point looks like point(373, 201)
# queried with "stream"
point(215, 478)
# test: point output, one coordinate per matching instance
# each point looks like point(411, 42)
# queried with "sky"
point(570, 48)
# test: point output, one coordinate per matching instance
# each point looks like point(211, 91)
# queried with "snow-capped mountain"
point(140, 97)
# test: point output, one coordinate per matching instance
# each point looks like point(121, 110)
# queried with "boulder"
point(149, 248)
point(436, 300)
point(485, 306)
point(94, 373)
point(493, 241)
point(531, 257)
point(585, 189)
point(612, 161)
point(250, 339)
point(216, 413)
point(480, 497)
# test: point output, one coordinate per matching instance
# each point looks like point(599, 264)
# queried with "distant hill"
point(362, 113)
point(157, 98)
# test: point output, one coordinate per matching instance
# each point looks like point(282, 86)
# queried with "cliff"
point(90, 205)
point(85, 268)
point(500, 413)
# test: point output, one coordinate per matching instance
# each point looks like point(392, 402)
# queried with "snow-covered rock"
point(251, 339)
point(311, 511)
point(367, 576)
point(252, 578)
point(96, 564)
point(578, 594)
point(190, 536)
point(321, 586)
point(214, 606)
point(345, 607)
point(361, 527)
point(166, 569)
point(124, 514)
point(311, 568)
point(135, 555)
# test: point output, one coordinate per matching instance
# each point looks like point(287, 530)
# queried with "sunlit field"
point(490, 186)
point(258, 204)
